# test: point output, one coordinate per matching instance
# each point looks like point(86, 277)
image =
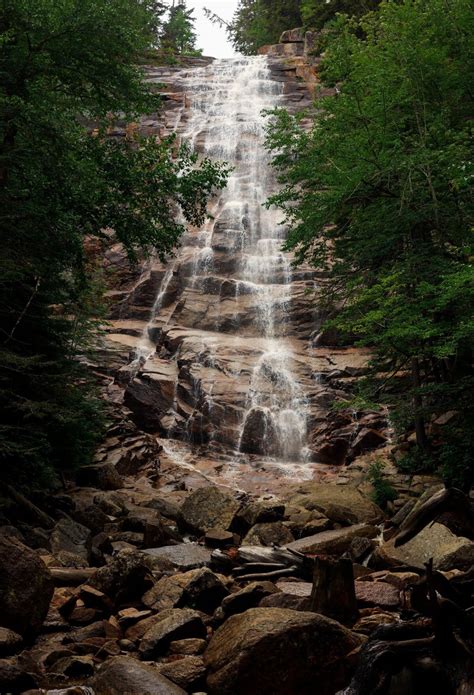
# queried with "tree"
point(178, 34)
point(380, 194)
point(66, 66)
point(317, 13)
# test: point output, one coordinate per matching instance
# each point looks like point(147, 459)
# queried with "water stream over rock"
point(225, 369)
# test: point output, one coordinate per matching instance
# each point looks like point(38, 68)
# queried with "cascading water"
point(229, 333)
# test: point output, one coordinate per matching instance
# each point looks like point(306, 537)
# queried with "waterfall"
point(238, 382)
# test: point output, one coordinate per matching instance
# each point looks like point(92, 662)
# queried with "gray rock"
point(248, 597)
point(269, 534)
point(70, 536)
point(334, 542)
point(185, 556)
point(200, 589)
point(10, 642)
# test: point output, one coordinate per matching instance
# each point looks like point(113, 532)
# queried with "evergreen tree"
point(379, 193)
point(65, 65)
point(179, 36)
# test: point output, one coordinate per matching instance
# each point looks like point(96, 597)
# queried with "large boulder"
point(270, 534)
point(122, 674)
point(340, 503)
point(200, 589)
point(207, 508)
point(127, 576)
point(435, 541)
point(275, 651)
point(26, 588)
point(70, 536)
point(334, 542)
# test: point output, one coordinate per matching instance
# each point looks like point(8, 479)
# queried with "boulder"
point(100, 475)
point(334, 542)
point(279, 651)
point(208, 508)
point(14, 678)
point(217, 538)
point(122, 674)
point(175, 624)
point(435, 541)
point(71, 537)
point(185, 556)
point(10, 642)
point(127, 576)
point(188, 647)
point(26, 588)
point(188, 672)
point(200, 589)
point(275, 533)
point(367, 440)
point(259, 434)
point(259, 511)
point(248, 597)
point(345, 503)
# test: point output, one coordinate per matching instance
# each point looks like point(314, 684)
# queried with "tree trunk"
point(421, 438)
point(333, 591)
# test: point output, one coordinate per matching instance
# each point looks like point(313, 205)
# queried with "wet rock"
point(349, 502)
point(10, 642)
point(200, 589)
point(127, 576)
point(26, 588)
point(434, 541)
point(177, 623)
point(259, 435)
point(377, 594)
point(279, 651)
point(189, 672)
point(248, 597)
point(122, 674)
point(100, 475)
point(259, 511)
point(208, 508)
point(185, 556)
point(275, 533)
point(334, 542)
point(360, 547)
point(71, 537)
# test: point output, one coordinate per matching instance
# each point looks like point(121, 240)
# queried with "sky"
point(211, 38)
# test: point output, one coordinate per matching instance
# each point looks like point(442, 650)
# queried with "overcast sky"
point(211, 38)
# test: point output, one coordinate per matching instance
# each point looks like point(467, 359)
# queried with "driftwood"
point(258, 562)
point(333, 591)
point(447, 500)
point(65, 576)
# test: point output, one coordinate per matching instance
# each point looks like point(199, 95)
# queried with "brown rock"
point(100, 475)
point(127, 576)
point(10, 642)
point(123, 674)
point(334, 542)
point(188, 672)
point(188, 647)
point(377, 594)
point(26, 588)
point(275, 533)
point(248, 597)
point(217, 538)
point(200, 589)
point(368, 623)
point(279, 651)
point(208, 508)
point(367, 440)
point(349, 502)
point(177, 623)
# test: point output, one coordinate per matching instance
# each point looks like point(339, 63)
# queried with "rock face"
point(228, 364)
point(26, 588)
point(277, 651)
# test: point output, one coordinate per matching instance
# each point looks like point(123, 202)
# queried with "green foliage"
point(178, 35)
point(383, 491)
point(65, 67)
point(379, 194)
point(260, 22)
point(317, 13)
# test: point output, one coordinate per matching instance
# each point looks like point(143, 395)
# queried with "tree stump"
point(333, 591)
